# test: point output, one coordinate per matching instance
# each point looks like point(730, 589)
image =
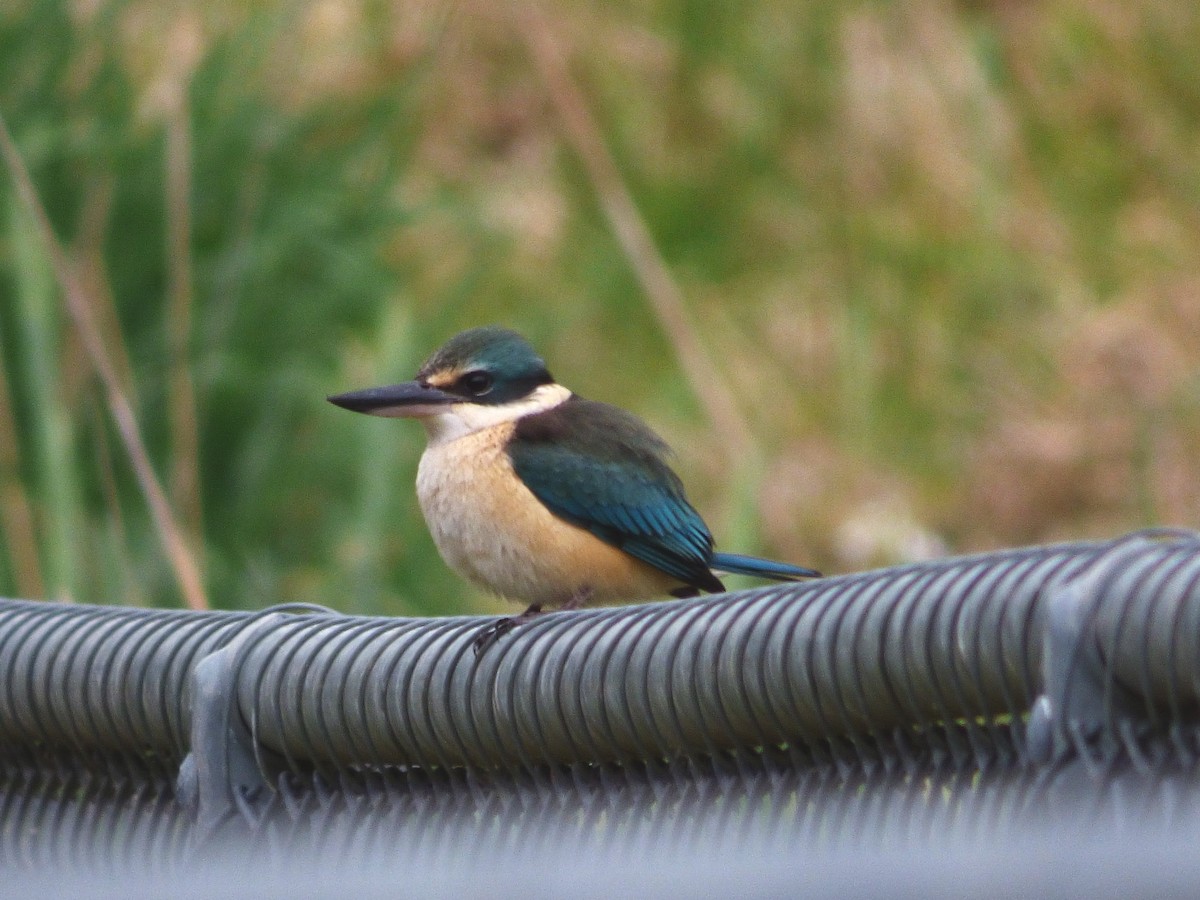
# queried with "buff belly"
point(493, 531)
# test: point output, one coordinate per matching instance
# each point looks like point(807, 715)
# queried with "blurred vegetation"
point(946, 255)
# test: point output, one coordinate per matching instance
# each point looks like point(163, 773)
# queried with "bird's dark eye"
point(477, 383)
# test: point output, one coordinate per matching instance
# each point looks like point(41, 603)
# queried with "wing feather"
point(602, 469)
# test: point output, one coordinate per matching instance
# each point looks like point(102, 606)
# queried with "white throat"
point(461, 419)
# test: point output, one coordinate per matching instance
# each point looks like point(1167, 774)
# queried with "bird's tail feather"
point(737, 564)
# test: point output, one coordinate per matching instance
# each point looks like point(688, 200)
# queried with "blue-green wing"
point(602, 469)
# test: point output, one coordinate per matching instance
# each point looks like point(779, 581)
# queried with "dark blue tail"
point(737, 564)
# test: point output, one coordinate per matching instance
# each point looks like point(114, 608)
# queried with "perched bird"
point(536, 494)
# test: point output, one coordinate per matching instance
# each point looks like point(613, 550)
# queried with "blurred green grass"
point(945, 254)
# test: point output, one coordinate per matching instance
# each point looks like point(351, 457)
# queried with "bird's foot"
point(501, 627)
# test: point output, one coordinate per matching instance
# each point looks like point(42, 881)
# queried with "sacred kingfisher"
point(538, 495)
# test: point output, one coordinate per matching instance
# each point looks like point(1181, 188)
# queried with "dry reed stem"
point(92, 270)
point(16, 512)
point(78, 308)
point(106, 470)
point(185, 437)
point(635, 239)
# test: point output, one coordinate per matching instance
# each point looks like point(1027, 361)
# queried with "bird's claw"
point(492, 633)
point(498, 629)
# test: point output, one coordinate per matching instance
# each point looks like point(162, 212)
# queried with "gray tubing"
point(839, 658)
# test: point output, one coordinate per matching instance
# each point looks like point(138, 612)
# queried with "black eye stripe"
point(483, 386)
point(477, 382)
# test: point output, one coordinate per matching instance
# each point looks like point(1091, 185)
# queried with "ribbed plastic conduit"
point(958, 639)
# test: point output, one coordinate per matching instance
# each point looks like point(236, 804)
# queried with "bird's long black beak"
point(409, 399)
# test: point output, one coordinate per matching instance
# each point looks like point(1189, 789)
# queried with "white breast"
point(461, 488)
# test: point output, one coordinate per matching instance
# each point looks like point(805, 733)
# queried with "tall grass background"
point(897, 280)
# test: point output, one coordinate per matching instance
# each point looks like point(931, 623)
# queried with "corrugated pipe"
point(1072, 639)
